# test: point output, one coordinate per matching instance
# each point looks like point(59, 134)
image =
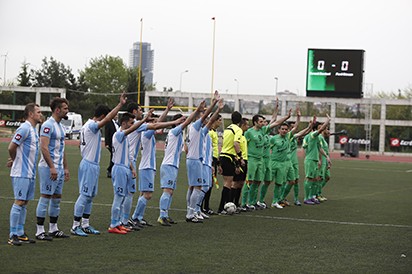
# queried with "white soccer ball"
point(230, 208)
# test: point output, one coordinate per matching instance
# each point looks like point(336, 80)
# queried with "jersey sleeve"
point(20, 135)
point(142, 128)
point(46, 130)
point(149, 133)
point(197, 124)
point(176, 130)
point(94, 127)
point(238, 135)
point(119, 135)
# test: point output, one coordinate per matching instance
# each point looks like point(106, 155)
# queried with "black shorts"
point(241, 177)
point(228, 166)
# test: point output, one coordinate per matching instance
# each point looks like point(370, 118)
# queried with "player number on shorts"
point(120, 189)
point(85, 189)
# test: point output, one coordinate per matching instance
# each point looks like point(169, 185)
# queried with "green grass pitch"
point(365, 227)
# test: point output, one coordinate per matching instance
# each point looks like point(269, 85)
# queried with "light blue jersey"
point(195, 141)
point(27, 139)
point(121, 154)
point(55, 132)
point(207, 148)
point(148, 160)
point(173, 147)
point(90, 141)
point(134, 140)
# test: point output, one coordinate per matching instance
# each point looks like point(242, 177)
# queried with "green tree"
point(24, 79)
point(54, 74)
point(106, 75)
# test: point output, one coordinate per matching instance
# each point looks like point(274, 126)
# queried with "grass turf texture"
point(365, 227)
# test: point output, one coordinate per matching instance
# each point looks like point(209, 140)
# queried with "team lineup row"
point(245, 154)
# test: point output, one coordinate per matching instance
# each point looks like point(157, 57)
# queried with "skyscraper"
point(147, 60)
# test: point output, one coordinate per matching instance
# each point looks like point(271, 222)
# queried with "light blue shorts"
point(88, 178)
point(47, 185)
point(194, 172)
point(122, 179)
point(207, 176)
point(146, 180)
point(168, 176)
point(23, 188)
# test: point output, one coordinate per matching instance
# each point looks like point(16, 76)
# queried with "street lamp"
point(181, 76)
point(276, 87)
point(237, 82)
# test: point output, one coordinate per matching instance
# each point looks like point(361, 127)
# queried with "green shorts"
point(267, 174)
point(311, 169)
point(279, 171)
point(255, 169)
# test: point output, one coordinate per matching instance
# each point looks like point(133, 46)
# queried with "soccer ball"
point(230, 208)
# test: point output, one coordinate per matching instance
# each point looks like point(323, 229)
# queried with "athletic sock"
point(307, 186)
point(127, 206)
point(22, 220)
point(286, 189)
point(115, 214)
point(263, 191)
point(252, 191)
point(164, 204)
point(42, 206)
point(14, 219)
point(206, 201)
point(238, 192)
point(296, 191)
point(140, 208)
point(245, 194)
point(276, 193)
point(202, 195)
point(255, 194)
point(194, 200)
point(224, 198)
point(232, 195)
point(54, 207)
point(85, 221)
point(80, 205)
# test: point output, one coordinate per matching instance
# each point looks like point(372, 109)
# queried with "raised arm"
point(139, 123)
point(194, 114)
point(160, 125)
point(114, 111)
point(296, 125)
point(275, 112)
point(212, 105)
point(170, 104)
point(215, 114)
point(281, 120)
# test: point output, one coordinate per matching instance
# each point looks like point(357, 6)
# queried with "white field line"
point(261, 216)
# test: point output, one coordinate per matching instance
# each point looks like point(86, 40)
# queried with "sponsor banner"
point(345, 139)
point(396, 142)
point(9, 123)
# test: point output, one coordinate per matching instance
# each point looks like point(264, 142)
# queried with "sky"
point(255, 41)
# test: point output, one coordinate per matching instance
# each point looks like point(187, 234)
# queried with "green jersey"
point(280, 148)
point(266, 141)
point(311, 145)
point(324, 145)
point(255, 142)
point(293, 150)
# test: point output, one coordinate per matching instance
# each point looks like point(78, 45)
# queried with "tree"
point(54, 74)
point(24, 78)
point(106, 75)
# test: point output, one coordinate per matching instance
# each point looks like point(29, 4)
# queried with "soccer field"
point(364, 227)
